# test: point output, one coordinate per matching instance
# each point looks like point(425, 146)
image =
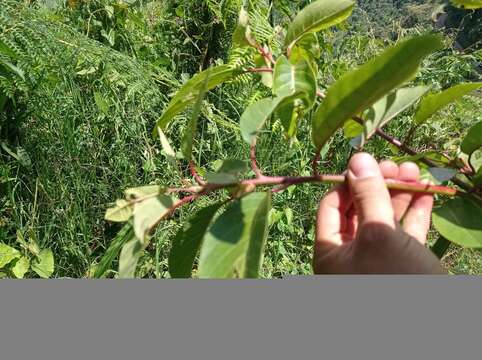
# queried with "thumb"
point(370, 194)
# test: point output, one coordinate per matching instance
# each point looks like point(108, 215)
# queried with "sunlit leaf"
point(129, 257)
point(473, 139)
point(242, 34)
point(121, 212)
point(317, 16)
point(234, 244)
point(468, 4)
point(21, 267)
point(306, 47)
point(7, 255)
point(188, 240)
point(144, 191)
point(458, 220)
point(433, 103)
point(148, 213)
point(43, 264)
point(188, 94)
point(362, 87)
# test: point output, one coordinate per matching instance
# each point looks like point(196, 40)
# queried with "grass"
point(83, 155)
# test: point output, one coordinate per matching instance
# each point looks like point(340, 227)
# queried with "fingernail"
point(362, 173)
point(363, 166)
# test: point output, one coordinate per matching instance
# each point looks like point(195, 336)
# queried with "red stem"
point(260, 70)
point(194, 173)
point(267, 55)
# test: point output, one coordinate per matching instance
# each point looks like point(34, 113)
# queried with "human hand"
point(363, 228)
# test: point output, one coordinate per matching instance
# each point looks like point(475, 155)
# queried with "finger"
point(389, 169)
point(417, 220)
point(401, 199)
point(369, 192)
point(331, 217)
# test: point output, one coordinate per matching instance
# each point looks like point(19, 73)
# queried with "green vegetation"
point(84, 83)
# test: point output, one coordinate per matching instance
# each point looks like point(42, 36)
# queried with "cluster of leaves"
point(363, 100)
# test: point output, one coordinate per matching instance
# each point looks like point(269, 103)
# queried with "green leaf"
point(191, 128)
point(242, 34)
point(123, 236)
point(307, 47)
point(8, 66)
point(317, 16)
point(232, 166)
point(389, 107)
point(468, 4)
point(144, 191)
point(7, 50)
point(234, 244)
point(433, 103)
point(101, 103)
point(478, 178)
point(43, 264)
point(188, 240)
point(121, 212)
point(362, 87)
point(296, 83)
point(188, 94)
point(7, 255)
point(166, 146)
point(21, 267)
point(473, 139)
point(148, 213)
point(458, 220)
point(129, 257)
point(255, 116)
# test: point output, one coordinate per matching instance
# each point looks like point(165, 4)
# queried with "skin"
point(363, 228)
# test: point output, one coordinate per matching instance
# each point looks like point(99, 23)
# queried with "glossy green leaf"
point(123, 236)
point(121, 212)
point(129, 257)
point(317, 16)
point(255, 116)
point(234, 244)
point(433, 103)
point(189, 93)
point(191, 128)
point(7, 255)
point(468, 4)
point(148, 213)
point(188, 240)
point(43, 264)
point(390, 106)
point(473, 139)
point(458, 220)
point(21, 267)
point(362, 87)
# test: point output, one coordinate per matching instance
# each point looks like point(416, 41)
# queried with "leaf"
point(21, 267)
point(242, 34)
point(148, 213)
point(166, 146)
point(437, 175)
point(433, 103)
point(129, 256)
point(123, 236)
point(7, 255)
point(468, 4)
point(232, 166)
point(255, 116)
point(362, 87)
point(307, 47)
point(43, 264)
point(12, 68)
point(473, 139)
point(191, 129)
point(458, 220)
point(297, 84)
point(478, 178)
point(234, 244)
point(389, 107)
point(188, 94)
point(144, 191)
point(101, 103)
point(188, 240)
point(7, 50)
point(317, 16)
point(121, 212)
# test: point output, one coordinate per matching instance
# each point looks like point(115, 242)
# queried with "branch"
point(260, 70)
point(194, 173)
point(266, 54)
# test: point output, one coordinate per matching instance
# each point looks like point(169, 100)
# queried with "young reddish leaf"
point(362, 87)
point(317, 16)
point(188, 240)
point(433, 103)
point(473, 139)
point(234, 244)
point(458, 220)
